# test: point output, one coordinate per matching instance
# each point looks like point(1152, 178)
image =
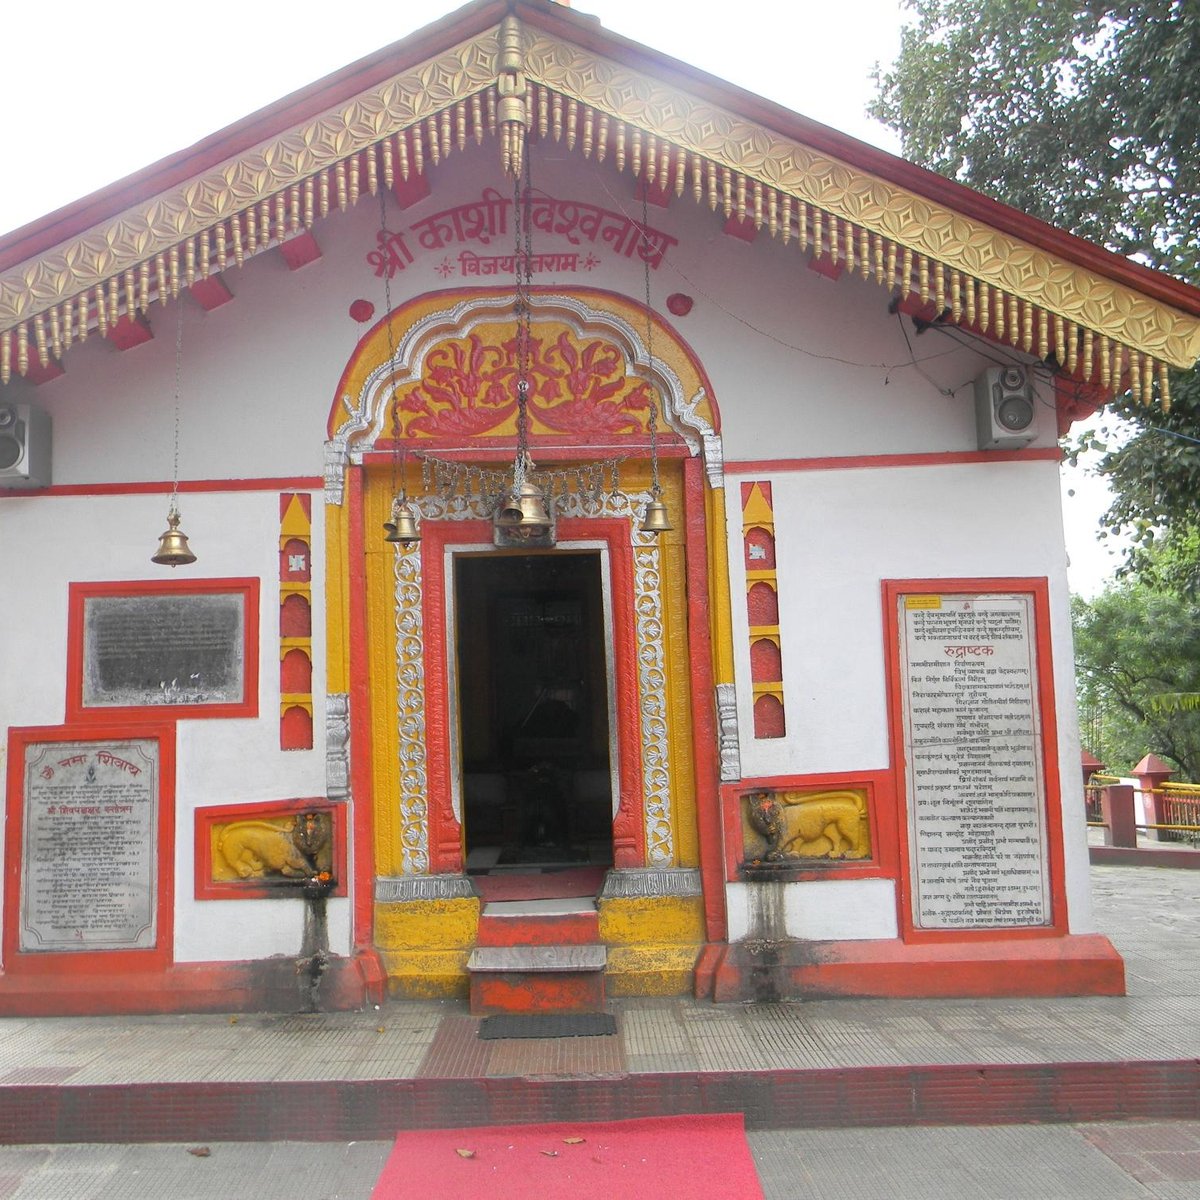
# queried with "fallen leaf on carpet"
point(199, 1151)
point(465, 1153)
point(576, 1141)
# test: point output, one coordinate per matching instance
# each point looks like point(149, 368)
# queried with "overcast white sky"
point(93, 92)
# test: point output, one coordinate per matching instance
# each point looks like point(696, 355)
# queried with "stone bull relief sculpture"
point(796, 826)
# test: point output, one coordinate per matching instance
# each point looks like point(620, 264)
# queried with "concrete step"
point(572, 922)
point(537, 978)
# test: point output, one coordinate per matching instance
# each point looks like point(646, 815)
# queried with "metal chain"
point(174, 505)
point(655, 488)
point(523, 264)
point(399, 495)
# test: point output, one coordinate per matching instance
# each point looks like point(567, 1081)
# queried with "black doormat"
point(547, 1025)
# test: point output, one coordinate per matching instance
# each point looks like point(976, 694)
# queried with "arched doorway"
point(537, 707)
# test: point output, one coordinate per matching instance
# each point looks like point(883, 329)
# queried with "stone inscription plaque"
point(973, 741)
point(163, 649)
point(89, 869)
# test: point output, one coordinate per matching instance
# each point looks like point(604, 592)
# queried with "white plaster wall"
point(221, 761)
point(824, 910)
point(839, 533)
point(801, 367)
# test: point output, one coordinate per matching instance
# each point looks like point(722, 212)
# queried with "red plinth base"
point(270, 985)
point(560, 992)
point(1079, 965)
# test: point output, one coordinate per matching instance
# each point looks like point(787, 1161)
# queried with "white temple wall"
point(828, 910)
point(838, 534)
point(801, 366)
point(218, 761)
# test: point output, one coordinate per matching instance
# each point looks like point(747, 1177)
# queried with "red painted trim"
point(362, 777)
point(208, 888)
point(1038, 588)
point(80, 593)
point(881, 817)
point(705, 733)
point(603, 299)
point(306, 482)
point(446, 832)
point(210, 293)
point(129, 332)
point(38, 372)
point(742, 228)
point(412, 190)
point(824, 266)
point(103, 962)
point(857, 462)
point(299, 250)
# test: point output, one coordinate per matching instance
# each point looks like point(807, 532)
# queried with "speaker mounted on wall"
point(24, 446)
point(1005, 408)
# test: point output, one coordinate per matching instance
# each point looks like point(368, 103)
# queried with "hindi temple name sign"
point(485, 222)
point(974, 770)
point(89, 864)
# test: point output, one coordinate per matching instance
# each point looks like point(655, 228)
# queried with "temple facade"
point(627, 553)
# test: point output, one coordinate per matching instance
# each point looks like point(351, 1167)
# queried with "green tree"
point(1084, 114)
point(1137, 660)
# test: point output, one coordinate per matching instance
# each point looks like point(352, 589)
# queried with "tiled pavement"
point(1126, 1161)
point(1152, 915)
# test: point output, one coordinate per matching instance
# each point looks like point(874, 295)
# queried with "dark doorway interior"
point(533, 712)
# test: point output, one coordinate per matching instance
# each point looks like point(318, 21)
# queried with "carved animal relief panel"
point(792, 827)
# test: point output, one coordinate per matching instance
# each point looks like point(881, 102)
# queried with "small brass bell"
point(402, 528)
point(524, 511)
point(655, 519)
point(173, 548)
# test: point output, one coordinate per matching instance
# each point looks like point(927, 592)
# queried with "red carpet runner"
point(700, 1157)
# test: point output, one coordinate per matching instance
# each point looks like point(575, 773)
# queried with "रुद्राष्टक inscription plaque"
point(89, 871)
point(973, 738)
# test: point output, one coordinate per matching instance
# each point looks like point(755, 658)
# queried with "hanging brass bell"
point(656, 518)
point(173, 550)
point(524, 511)
point(402, 528)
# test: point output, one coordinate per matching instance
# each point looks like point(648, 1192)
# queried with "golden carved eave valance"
point(1096, 328)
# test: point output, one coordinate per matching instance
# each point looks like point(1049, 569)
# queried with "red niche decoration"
point(679, 305)
point(362, 310)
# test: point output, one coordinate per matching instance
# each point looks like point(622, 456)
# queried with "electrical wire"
point(619, 205)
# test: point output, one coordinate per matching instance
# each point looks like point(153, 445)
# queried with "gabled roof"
point(497, 67)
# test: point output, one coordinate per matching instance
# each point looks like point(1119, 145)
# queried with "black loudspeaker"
point(24, 446)
point(1005, 408)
